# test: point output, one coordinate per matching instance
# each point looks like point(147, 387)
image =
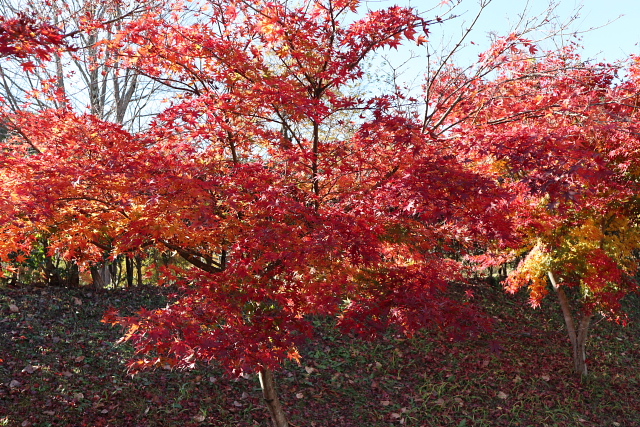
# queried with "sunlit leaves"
point(560, 137)
point(23, 36)
point(289, 194)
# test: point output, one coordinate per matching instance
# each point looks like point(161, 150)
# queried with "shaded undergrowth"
point(59, 367)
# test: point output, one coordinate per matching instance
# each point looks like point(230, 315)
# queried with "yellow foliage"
point(617, 236)
point(588, 233)
point(573, 256)
point(532, 273)
point(622, 239)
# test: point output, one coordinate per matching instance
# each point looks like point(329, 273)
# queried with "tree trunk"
point(581, 361)
point(51, 275)
point(270, 395)
point(578, 338)
point(114, 272)
point(73, 275)
point(139, 269)
point(128, 263)
point(101, 275)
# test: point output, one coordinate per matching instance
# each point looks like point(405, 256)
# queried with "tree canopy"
point(291, 193)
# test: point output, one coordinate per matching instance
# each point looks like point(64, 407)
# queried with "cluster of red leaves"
point(22, 37)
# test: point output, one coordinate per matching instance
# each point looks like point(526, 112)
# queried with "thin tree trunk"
point(114, 272)
point(51, 275)
point(73, 279)
point(581, 344)
point(139, 269)
point(270, 395)
point(578, 338)
point(101, 275)
point(96, 277)
point(128, 263)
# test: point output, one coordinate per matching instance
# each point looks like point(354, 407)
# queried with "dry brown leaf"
point(30, 369)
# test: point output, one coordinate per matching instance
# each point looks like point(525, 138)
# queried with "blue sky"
point(608, 30)
point(619, 20)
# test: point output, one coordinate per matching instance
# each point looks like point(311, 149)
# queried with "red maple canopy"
point(289, 192)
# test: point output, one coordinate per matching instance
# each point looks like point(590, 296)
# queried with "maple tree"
point(258, 177)
point(560, 135)
point(290, 195)
point(25, 38)
point(557, 136)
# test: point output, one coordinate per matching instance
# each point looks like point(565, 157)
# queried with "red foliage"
point(287, 205)
point(22, 37)
point(278, 224)
point(563, 135)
